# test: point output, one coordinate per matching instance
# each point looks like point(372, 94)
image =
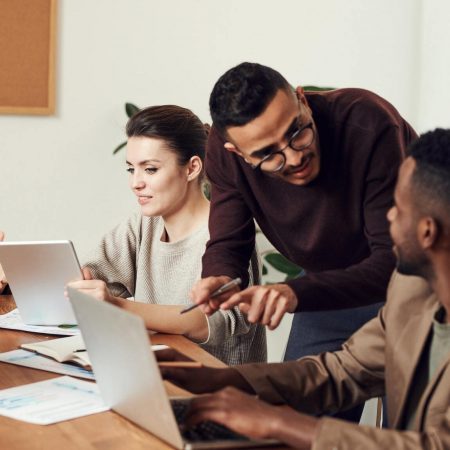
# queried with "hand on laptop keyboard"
point(242, 413)
point(203, 431)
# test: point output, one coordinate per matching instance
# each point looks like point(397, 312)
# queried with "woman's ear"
point(194, 168)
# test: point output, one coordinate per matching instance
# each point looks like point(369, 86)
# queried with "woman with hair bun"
point(155, 256)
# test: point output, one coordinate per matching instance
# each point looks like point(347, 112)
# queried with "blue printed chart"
point(51, 401)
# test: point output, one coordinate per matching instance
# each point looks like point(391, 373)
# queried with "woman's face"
point(156, 178)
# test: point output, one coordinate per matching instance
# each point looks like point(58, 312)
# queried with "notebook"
point(129, 380)
point(70, 349)
point(38, 273)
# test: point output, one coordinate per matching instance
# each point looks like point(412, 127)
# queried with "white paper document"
point(30, 359)
point(51, 401)
point(13, 321)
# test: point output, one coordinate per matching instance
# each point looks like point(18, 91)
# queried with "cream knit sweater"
point(134, 262)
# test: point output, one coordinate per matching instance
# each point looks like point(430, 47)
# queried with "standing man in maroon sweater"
point(317, 172)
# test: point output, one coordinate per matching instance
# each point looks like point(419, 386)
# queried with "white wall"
point(433, 91)
point(58, 176)
point(59, 179)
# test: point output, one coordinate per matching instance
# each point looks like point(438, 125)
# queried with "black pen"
point(224, 288)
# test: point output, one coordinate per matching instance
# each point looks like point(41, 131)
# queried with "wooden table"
point(104, 431)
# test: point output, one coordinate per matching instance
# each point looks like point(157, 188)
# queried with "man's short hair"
point(242, 93)
point(431, 177)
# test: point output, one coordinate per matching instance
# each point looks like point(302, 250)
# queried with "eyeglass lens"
point(298, 142)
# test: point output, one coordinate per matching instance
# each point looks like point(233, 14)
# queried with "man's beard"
point(412, 266)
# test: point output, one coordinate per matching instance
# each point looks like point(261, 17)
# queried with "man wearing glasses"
point(317, 172)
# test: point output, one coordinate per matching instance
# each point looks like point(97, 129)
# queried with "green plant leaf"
point(317, 88)
point(283, 265)
point(207, 189)
point(122, 145)
point(264, 270)
point(293, 277)
point(131, 109)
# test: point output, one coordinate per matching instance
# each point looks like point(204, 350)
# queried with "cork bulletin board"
point(27, 56)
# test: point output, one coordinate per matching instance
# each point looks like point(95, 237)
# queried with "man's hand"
point(3, 281)
point(264, 304)
point(253, 418)
point(201, 291)
point(95, 288)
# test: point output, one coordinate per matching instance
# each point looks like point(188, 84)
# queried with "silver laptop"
point(38, 272)
point(129, 380)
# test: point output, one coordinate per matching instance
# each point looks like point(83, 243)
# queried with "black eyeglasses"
point(300, 140)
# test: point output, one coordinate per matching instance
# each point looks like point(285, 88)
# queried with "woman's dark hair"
point(242, 93)
point(178, 127)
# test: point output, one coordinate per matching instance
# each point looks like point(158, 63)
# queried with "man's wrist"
point(294, 303)
point(293, 428)
point(290, 295)
point(276, 424)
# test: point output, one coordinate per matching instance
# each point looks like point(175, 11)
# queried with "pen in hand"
point(222, 289)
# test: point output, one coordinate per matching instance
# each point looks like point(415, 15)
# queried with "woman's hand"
point(202, 290)
point(95, 288)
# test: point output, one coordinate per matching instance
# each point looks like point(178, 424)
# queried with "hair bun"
point(207, 128)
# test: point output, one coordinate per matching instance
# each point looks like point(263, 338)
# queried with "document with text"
point(51, 401)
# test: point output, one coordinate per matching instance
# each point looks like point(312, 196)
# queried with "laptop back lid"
point(124, 366)
point(37, 272)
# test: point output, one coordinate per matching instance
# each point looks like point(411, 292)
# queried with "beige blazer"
point(379, 359)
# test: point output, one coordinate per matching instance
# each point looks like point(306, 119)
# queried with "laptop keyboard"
point(204, 431)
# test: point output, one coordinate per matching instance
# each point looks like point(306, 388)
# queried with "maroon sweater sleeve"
point(231, 224)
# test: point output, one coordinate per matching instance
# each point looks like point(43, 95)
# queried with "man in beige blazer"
point(404, 353)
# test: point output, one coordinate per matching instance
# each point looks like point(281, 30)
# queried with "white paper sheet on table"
point(51, 401)
point(13, 321)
